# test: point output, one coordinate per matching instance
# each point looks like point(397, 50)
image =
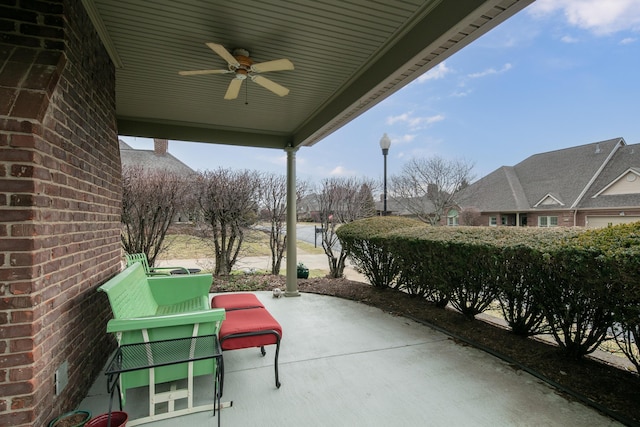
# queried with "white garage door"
point(605, 221)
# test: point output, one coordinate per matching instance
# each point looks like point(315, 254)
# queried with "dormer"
point(549, 200)
point(627, 183)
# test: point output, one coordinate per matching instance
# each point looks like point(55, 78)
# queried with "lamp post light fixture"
point(385, 143)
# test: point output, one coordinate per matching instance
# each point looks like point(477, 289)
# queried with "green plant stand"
point(303, 271)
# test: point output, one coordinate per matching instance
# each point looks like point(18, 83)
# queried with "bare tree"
point(273, 202)
point(228, 200)
point(150, 200)
point(340, 201)
point(470, 216)
point(427, 187)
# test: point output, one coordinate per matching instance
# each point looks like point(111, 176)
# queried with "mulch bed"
point(610, 389)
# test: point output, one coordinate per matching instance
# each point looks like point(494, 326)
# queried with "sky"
point(560, 73)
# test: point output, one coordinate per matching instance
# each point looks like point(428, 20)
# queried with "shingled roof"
point(569, 178)
point(157, 159)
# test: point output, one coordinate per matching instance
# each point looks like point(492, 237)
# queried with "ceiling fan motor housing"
point(242, 56)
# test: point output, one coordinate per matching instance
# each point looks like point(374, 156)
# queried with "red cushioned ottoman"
point(251, 327)
point(235, 301)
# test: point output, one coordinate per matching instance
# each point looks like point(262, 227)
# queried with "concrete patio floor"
point(343, 363)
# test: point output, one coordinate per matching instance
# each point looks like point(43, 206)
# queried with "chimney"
point(160, 146)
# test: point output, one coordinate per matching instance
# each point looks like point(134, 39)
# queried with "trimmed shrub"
point(578, 285)
point(370, 254)
point(417, 277)
point(522, 276)
point(621, 245)
point(578, 299)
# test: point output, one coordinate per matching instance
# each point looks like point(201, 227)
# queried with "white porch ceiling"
point(348, 56)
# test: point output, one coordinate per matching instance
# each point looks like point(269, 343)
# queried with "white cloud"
point(438, 72)
point(414, 122)
point(598, 16)
point(461, 93)
point(399, 118)
point(434, 119)
point(341, 171)
point(569, 39)
point(506, 67)
point(407, 138)
point(628, 40)
point(280, 160)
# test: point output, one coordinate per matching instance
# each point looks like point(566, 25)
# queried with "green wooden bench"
point(158, 308)
point(153, 271)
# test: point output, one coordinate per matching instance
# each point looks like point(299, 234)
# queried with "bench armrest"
point(168, 290)
point(151, 322)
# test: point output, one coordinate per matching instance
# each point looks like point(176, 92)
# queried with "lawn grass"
point(256, 243)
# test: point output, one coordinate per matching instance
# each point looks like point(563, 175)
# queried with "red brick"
point(19, 156)
point(54, 8)
point(28, 229)
point(16, 215)
point(22, 401)
point(21, 345)
point(21, 374)
point(17, 388)
point(17, 418)
point(16, 245)
point(12, 360)
point(21, 288)
point(22, 171)
point(22, 200)
point(23, 54)
point(12, 73)
point(20, 14)
point(42, 31)
point(8, 97)
point(19, 125)
point(30, 105)
point(21, 316)
point(24, 141)
point(16, 302)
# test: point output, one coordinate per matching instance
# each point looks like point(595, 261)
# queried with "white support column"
point(292, 256)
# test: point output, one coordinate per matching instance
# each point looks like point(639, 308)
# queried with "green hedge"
point(370, 255)
point(576, 284)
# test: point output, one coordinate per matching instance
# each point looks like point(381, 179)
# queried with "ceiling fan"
point(243, 67)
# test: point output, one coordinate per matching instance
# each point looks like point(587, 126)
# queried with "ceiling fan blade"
point(234, 89)
point(276, 65)
point(224, 53)
point(271, 85)
point(198, 72)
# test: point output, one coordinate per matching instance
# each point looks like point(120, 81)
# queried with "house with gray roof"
point(592, 185)
point(157, 159)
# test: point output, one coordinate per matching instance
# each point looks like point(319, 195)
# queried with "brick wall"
point(59, 206)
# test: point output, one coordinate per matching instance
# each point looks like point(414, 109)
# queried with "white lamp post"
point(385, 143)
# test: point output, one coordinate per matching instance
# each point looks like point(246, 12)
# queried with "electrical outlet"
point(61, 377)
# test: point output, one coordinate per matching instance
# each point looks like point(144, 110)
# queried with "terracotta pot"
point(71, 419)
point(118, 419)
